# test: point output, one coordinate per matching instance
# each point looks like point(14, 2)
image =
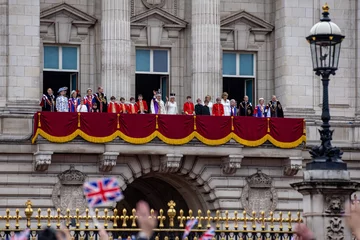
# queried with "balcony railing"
point(171, 129)
point(171, 223)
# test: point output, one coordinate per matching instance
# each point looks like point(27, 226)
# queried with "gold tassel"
point(195, 123)
point(268, 128)
point(118, 121)
point(157, 125)
point(78, 119)
point(39, 123)
point(304, 128)
point(232, 123)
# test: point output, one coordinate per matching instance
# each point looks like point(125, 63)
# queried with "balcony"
point(102, 128)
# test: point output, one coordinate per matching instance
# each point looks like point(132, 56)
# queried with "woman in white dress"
point(226, 103)
point(210, 104)
point(171, 106)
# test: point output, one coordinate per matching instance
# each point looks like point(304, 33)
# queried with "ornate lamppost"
point(325, 41)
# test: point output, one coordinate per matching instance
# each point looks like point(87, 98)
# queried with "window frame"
point(237, 75)
point(60, 69)
point(152, 61)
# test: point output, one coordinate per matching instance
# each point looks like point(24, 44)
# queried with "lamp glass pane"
point(313, 55)
point(336, 55)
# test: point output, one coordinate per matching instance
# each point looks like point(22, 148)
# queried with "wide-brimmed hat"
point(62, 89)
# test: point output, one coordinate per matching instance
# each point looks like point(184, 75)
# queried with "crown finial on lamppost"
point(326, 7)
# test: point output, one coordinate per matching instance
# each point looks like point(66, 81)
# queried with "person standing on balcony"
point(218, 108)
point(260, 109)
point(246, 108)
point(226, 103)
point(206, 109)
point(188, 106)
point(157, 105)
point(113, 107)
point(141, 105)
point(233, 109)
point(171, 106)
point(210, 104)
point(198, 107)
point(62, 103)
point(82, 107)
point(275, 108)
point(131, 107)
point(122, 106)
point(101, 100)
point(73, 101)
point(88, 99)
point(48, 101)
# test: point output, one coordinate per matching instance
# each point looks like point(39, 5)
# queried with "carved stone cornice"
point(42, 160)
point(292, 166)
point(107, 161)
point(170, 163)
point(231, 163)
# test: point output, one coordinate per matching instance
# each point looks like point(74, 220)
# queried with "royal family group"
point(98, 102)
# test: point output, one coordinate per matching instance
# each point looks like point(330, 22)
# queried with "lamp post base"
point(317, 165)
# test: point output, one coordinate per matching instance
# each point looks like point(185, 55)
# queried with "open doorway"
point(237, 88)
point(146, 83)
point(56, 80)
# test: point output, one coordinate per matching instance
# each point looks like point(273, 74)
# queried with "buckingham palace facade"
point(187, 47)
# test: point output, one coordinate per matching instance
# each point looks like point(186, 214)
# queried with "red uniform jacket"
point(218, 109)
point(188, 108)
point(132, 109)
point(142, 106)
point(113, 107)
point(122, 108)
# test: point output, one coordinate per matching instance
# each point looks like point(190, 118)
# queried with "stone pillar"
point(3, 51)
point(23, 80)
point(325, 195)
point(206, 49)
point(293, 67)
point(116, 48)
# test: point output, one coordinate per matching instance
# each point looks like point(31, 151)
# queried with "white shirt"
point(227, 110)
point(82, 108)
point(171, 108)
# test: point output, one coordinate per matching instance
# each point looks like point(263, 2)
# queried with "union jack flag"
point(189, 225)
point(24, 235)
point(208, 235)
point(102, 191)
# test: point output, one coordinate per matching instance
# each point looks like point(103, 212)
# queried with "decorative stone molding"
point(42, 160)
point(292, 166)
point(335, 230)
point(259, 194)
point(108, 161)
point(61, 32)
point(156, 21)
point(242, 24)
point(170, 163)
point(334, 204)
point(153, 3)
point(231, 163)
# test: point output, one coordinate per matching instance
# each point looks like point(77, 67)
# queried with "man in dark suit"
point(198, 107)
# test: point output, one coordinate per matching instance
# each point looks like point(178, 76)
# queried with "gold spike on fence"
point(169, 220)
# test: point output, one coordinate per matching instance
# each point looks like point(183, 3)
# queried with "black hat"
point(172, 94)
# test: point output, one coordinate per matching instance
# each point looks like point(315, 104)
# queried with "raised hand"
point(353, 218)
point(303, 232)
point(147, 223)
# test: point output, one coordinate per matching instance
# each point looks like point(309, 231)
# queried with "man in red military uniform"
point(113, 107)
point(141, 105)
point(131, 107)
point(218, 108)
point(189, 106)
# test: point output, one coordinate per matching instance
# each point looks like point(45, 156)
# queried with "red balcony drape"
point(171, 129)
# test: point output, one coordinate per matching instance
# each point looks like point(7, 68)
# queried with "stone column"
point(23, 81)
point(3, 51)
point(116, 52)
point(325, 195)
point(293, 66)
point(206, 49)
